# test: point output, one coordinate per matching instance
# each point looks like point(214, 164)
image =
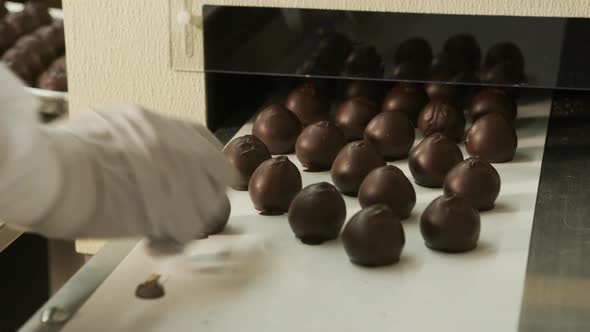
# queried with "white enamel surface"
point(260, 278)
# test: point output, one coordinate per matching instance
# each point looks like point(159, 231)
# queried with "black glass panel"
point(496, 50)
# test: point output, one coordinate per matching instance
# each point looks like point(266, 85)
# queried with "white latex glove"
point(124, 172)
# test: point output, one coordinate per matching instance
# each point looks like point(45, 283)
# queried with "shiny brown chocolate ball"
point(389, 186)
point(493, 138)
point(362, 88)
point(273, 186)
point(475, 180)
point(39, 10)
point(29, 59)
point(352, 164)
point(353, 116)
point(408, 98)
point(34, 44)
point(317, 213)
point(392, 134)
point(432, 159)
point(450, 224)
point(491, 100)
point(308, 104)
point(442, 116)
point(374, 237)
point(277, 128)
point(22, 22)
point(246, 153)
point(54, 79)
point(54, 34)
point(317, 146)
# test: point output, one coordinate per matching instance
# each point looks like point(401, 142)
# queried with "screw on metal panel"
point(55, 315)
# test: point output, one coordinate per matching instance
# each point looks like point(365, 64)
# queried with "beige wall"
point(118, 50)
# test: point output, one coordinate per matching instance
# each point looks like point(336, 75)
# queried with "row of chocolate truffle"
point(459, 60)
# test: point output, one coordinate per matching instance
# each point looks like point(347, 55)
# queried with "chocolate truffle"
point(364, 61)
point(392, 134)
point(217, 224)
point(54, 35)
point(317, 146)
point(246, 153)
point(277, 128)
point(7, 36)
point(54, 79)
point(34, 44)
point(363, 88)
point(308, 104)
point(492, 138)
point(475, 180)
point(353, 116)
point(408, 98)
point(317, 213)
point(389, 186)
point(39, 10)
point(374, 237)
point(505, 52)
point(465, 50)
point(151, 289)
point(352, 164)
point(416, 50)
point(491, 100)
point(22, 22)
point(273, 185)
point(30, 59)
point(437, 88)
point(450, 224)
point(432, 159)
point(442, 116)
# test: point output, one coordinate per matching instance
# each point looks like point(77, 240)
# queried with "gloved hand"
point(147, 175)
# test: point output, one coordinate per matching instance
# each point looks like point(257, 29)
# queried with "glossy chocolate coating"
point(39, 10)
point(54, 79)
point(317, 146)
point(492, 100)
point(273, 185)
point(475, 180)
point(151, 289)
point(7, 36)
point(465, 50)
point(352, 164)
point(389, 186)
point(308, 104)
point(246, 153)
point(366, 89)
point(442, 116)
point(450, 224)
point(437, 89)
point(392, 134)
point(217, 224)
point(413, 50)
point(408, 98)
point(22, 22)
point(353, 116)
point(432, 159)
point(34, 44)
point(505, 52)
point(277, 128)
point(317, 213)
point(54, 34)
point(364, 61)
point(492, 138)
point(30, 59)
point(374, 237)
